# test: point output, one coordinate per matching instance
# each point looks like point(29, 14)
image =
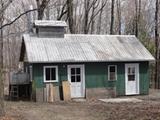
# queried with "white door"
point(77, 82)
point(132, 79)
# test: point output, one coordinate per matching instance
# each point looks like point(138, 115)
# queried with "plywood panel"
point(49, 93)
point(56, 96)
point(39, 94)
point(45, 94)
point(52, 93)
point(66, 90)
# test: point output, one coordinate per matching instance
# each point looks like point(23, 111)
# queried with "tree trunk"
point(156, 45)
point(86, 15)
point(112, 17)
point(119, 16)
point(136, 18)
point(70, 15)
point(92, 20)
point(2, 112)
point(99, 21)
point(41, 7)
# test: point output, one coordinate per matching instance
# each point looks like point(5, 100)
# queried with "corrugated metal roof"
point(50, 23)
point(85, 48)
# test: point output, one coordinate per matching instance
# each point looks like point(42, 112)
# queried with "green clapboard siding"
point(144, 78)
point(38, 74)
point(96, 76)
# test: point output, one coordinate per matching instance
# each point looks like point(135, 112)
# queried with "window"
point(75, 75)
point(50, 74)
point(131, 74)
point(112, 72)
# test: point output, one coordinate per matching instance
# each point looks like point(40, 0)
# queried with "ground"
point(148, 109)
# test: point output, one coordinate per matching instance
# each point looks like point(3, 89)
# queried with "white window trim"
point(44, 74)
point(109, 72)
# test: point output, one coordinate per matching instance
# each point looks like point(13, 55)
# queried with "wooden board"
point(66, 90)
point(39, 94)
point(56, 93)
point(45, 94)
point(51, 93)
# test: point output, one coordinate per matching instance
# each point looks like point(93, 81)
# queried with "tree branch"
point(7, 24)
point(94, 15)
point(62, 11)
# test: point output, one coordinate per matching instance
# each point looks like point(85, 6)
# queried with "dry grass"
point(149, 109)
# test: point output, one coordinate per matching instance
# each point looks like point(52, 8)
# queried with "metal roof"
point(50, 23)
point(85, 48)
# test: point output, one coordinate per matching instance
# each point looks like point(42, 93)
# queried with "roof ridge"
point(99, 35)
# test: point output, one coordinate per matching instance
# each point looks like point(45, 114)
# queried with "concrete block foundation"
point(100, 93)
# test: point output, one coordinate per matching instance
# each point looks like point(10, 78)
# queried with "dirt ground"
point(93, 109)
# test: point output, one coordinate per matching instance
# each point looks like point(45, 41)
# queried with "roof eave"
point(145, 60)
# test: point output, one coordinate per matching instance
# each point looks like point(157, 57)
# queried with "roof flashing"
point(49, 23)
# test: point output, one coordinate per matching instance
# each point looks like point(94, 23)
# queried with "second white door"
point(76, 78)
point(132, 79)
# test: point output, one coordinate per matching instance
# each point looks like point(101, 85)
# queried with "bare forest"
point(118, 17)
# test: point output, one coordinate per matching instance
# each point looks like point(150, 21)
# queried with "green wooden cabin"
point(91, 63)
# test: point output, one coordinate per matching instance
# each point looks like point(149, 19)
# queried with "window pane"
point(73, 71)
point(72, 78)
point(77, 70)
point(53, 73)
point(112, 72)
point(129, 70)
point(131, 77)
point(78, 78)
point(133, 70)
point(112, 76)
point(112, 68)
point(47, 74)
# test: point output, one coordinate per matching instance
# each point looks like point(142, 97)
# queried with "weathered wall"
point(54, 32)
point(96, 76)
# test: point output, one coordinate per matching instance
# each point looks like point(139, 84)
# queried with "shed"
point(91, 63)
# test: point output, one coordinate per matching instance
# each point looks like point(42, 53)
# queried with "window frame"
point(109, 72)
point(44, 74)
point(132, 73)
point(75, 74)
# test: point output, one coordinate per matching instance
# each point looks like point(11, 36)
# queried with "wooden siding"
point(54, 32)
point(144, 78)
point(96, 76)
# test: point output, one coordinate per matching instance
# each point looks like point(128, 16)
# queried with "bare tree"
point(137, 16)
point(62, 11)
point(41, 6)
point(70, 16)
point(93, 20)
point(119, 15)
point(112, 17)
point(87, 8)
point(3, 7)
point(89, 19)
point(157, 45)
point(99, 20)
point(1, 65)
